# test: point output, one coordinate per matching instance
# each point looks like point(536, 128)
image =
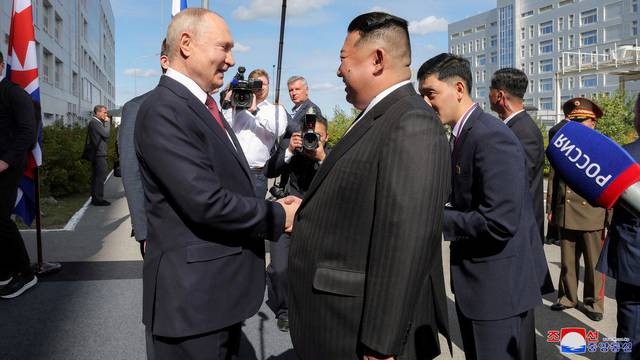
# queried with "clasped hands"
point(290, 204)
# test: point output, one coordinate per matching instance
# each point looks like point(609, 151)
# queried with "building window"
point(455, 35)
point(46, 15)
point(477, 44)
point(634, 27)
point(560, 23)
point(59, 74)
point(589, 81)
point(74, 83)
point(560, 43)
point(522, 33)
point(481, 60)
point(484, 43)
point(46, 65)
point(531, 49)
point(494, 40)
point(589, 37)
point(527, 13)
point(570, 24)
point(481, 92)
point(546, 85)
point(546, 46)
point(546, 103)
point(494, 57)
point(58, 31)
point(532, 69)
point(546, 66)
point(531, 84)
point(570, 45)
point(570, 82)
point(546, 28)
point(565, 2)
point(507, 32)
point(589, 17)
point(464, 48)
point(522, 53)
point(484, 75)
point(545, 9)
point(634, 6)
point(531, 31)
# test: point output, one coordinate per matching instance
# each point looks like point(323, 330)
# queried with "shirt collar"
point(506, 121)
point(382, 95)
point(188, 83)
point(460, 124)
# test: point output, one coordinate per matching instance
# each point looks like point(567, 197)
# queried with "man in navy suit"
point(203, 270)
point(497, 263)
point(508, 86)
point(620, 259)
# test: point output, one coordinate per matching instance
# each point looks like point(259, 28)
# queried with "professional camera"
point(278, 192)
point(310, 138)
point(242, 96)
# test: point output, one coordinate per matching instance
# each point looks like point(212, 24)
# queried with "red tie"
point(213, 109)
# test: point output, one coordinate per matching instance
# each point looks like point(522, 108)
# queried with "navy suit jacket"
point(498, 266)
point(204, 266)
point(620, 256)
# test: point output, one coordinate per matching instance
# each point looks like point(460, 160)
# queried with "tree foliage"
point(617, 119)
point(339, 123)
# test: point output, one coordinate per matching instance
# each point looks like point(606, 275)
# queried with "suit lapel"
point(205, 116)
point(354, 135)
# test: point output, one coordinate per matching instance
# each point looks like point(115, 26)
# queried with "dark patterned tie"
point(213, 109)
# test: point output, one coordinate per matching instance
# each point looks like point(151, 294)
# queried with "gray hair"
point(295, 78)
point(189, 20)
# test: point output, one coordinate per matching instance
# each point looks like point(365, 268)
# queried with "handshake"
point(290, 205)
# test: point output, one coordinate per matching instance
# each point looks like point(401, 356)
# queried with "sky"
point(314, 33)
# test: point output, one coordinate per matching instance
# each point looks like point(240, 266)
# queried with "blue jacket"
point(620, 256)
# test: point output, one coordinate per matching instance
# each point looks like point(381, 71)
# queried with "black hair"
point(447, 66)
point(1, 57)
point(513, 81)
point(378, 24)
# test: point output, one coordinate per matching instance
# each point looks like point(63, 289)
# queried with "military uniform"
point(580, 229)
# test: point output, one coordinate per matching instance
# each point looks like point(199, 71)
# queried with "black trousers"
point(14, 258)
point(628, 298)
point(261, 183)
point(98, 176)
point(277, 281)
point(510, 338)
point(222, 344)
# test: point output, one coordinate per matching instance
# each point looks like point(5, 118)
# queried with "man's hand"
point(295, 142)
point(227, 95)
point(254, 104)
point(3, 166)
point(290, 205)
point(317, 154)
point(549, 217)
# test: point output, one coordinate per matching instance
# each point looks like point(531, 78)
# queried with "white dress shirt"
point(257, 133)
point(377, 99)
point(506, 121)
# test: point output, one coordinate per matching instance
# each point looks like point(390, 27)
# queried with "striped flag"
point(177, 6)
point(22, 69)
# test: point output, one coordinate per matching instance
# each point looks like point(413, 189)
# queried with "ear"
point(186, 44)
point(461, 89)
point(379, 57)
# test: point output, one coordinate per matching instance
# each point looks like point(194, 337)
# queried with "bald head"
point(386, 31)
point(199, 46)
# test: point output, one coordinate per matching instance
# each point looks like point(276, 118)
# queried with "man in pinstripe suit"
point(365, 266)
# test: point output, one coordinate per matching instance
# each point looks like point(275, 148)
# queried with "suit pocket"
point(210, 251)
point(339, 281)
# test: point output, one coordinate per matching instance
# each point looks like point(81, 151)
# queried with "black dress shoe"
point(283, 324)
point(100, 203)
point(595, 316)
point(559, 307)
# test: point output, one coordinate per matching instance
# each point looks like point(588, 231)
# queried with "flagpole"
point(279, 72)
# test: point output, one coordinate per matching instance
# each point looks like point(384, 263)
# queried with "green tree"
point(339, 124)
point(617, 119)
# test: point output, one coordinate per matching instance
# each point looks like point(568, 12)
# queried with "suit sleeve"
point(496, 164)
point(131, 172)
point(533, 147)
point(550, 190)
point(24, 117)
point(170, 149)
point(413, 180)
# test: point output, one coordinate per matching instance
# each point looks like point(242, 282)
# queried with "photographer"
point(257, 126)
point(305, 152)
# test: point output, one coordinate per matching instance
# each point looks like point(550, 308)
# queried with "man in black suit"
point(365, 268)
point(497, 262)
point(204, 266)
point(99, 128)
point(508, 86)
point(17, 136)
point(301, 165)
point(131, 179)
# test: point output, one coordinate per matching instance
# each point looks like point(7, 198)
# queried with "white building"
point(576, 42)
point(76, 55)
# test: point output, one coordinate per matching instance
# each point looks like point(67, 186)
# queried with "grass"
point(55, 216)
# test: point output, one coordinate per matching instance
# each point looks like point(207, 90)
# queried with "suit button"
point(584, 203)
point(568, 191)
point(568, 200)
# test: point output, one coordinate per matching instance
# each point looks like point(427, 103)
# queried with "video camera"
point(310, 138)
point(242, 89)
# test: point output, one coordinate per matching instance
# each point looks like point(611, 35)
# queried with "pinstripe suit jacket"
point(365, 266)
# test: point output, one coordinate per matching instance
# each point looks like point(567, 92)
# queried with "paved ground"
point(92, 308)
